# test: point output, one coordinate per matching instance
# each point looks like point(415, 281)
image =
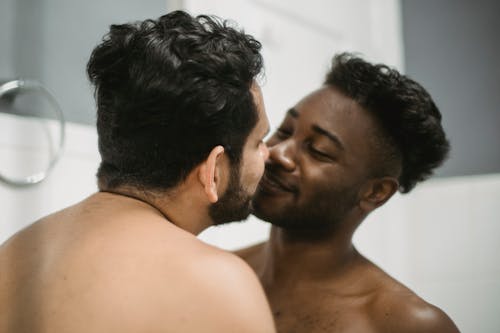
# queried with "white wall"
point(23, 145)
point(299, 41)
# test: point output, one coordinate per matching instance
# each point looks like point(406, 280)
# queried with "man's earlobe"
point(376, 192)
point(209, 174)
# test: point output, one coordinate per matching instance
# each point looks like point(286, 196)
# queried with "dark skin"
point(318, 188)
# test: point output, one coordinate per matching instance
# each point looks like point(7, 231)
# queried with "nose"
point(282, 154)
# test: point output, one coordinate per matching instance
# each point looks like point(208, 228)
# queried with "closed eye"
point(320, 155)
point(283, 133)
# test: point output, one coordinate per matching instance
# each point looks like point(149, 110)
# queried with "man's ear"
point(376, 192)
point(209, 173)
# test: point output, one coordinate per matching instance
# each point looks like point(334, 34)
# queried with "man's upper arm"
point(432, 319)
point(233, 298)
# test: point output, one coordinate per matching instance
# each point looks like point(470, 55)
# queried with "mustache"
point(274, 177)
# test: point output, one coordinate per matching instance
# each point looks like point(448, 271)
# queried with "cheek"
point(258, 168)
point(260, 164)
point(314, 180)
point(254, 170)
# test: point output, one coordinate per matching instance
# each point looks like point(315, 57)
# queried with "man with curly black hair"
point(339, 154)
point(180, 121)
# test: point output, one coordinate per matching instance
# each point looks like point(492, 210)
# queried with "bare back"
point(110, 264)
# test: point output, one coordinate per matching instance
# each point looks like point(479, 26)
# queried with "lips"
point(272, 183)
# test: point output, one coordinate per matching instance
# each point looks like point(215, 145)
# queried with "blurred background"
point(441, 239)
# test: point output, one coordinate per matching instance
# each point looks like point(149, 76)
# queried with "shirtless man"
point(339, 154)
point(180, 121)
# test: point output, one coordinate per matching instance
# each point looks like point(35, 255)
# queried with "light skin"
point(317, 189)
point(112, 263)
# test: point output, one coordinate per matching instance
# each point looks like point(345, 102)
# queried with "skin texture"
point(112, 263)
point(316, 192)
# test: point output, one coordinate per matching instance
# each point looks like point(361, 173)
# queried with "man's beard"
point(234, 204)
point(319, 215)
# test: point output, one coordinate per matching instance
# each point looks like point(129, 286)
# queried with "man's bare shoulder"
point(403, 311)
point(393, 307)
point(227, 283)
point(192, 288)
point(171, 278)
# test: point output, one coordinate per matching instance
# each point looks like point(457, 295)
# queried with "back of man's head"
point(411, 142)
point(168, 91)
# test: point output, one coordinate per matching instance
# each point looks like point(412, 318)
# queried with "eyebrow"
point(332, 137)
point(293, 112)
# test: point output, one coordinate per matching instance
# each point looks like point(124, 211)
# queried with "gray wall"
point(51, 41)
point(453, 48)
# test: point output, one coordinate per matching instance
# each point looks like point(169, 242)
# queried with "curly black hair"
point(413, 138)
point(167, 92)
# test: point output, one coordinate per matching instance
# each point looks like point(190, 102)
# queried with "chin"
point(227, 213)
point(263, 211)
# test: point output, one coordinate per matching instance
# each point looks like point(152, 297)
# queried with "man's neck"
point(176, 207)
point(289, 256)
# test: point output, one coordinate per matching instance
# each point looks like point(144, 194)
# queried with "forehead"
point(334, 112)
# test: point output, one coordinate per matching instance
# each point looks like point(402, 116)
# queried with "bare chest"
point(319, 312)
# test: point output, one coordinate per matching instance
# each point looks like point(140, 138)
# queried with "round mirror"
point(32, 135)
